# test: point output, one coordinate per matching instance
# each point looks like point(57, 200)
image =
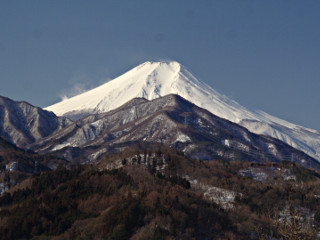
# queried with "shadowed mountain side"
point(22, 124)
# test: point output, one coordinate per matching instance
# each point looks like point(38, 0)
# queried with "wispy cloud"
point(77, 89)
point(81, 83)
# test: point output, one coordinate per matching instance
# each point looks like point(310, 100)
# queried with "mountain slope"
point(170, 120)
point(22, 124)
point(151, 80)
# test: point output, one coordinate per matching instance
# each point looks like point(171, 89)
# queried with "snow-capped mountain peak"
point(152, 80)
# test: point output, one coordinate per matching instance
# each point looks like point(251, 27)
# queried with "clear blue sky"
point(264, 54)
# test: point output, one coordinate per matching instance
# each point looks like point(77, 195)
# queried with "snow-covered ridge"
point(151, 80)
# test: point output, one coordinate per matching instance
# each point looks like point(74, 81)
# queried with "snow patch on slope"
point(183, 138)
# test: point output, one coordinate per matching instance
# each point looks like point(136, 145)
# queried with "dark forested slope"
point(160, 194)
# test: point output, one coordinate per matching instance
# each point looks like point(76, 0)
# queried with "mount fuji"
point(152, 80)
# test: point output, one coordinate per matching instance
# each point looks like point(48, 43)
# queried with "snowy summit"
point(151, 80)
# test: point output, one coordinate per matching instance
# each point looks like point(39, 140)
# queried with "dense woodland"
point(25, 163)
point(160, 194)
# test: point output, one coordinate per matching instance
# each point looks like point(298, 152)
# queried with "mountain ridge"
point(172, 121)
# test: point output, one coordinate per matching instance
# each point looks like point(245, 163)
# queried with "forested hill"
point(160, 194)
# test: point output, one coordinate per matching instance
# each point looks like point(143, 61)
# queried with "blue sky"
point(263, 54)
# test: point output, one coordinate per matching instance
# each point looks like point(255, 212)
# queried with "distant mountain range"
point(170, 120)
point(152, 80)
